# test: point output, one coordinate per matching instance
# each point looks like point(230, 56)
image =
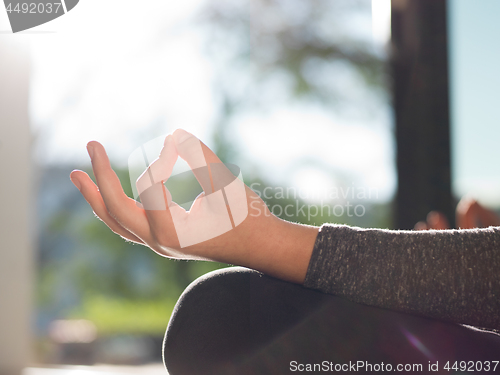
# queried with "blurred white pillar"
point(16, 209)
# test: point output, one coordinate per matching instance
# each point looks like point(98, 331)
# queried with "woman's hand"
point(228, 222)
point(470, 214)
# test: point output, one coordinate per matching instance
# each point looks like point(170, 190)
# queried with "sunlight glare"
point(381, 21)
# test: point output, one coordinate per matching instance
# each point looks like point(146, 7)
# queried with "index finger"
point(122, 208)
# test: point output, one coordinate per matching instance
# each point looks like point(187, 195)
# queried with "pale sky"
point(475, 77)
point(100, 76)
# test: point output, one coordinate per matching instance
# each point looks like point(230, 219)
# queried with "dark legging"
point(238, 321)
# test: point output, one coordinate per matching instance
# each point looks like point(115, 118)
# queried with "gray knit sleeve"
point(451, 275)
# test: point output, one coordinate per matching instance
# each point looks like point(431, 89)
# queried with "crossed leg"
point(238, 321)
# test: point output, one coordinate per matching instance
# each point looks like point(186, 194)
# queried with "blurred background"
point(313, 100)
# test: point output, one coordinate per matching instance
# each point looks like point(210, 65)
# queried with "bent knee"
point(208, 321)
point(225, 316)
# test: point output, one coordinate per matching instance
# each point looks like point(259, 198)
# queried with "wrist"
point(281, 249)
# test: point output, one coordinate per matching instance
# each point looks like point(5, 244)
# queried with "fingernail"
point(90, 150)
point(77, 183)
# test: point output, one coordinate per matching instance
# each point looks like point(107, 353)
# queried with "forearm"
point(451, 275)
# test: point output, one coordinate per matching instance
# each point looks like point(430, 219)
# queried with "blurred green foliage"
point(113, 315)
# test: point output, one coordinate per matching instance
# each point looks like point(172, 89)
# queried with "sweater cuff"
point(323, 257)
